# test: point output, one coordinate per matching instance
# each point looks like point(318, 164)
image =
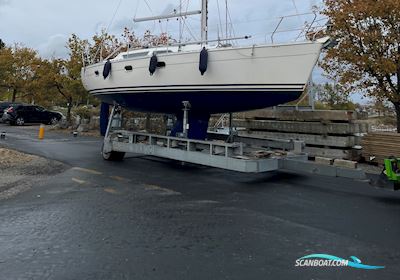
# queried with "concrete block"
point(323, 160)
point(345, 163)
point(357, 174)
point(294, 115)
point(310, 139)
point(83, 128)
point(329, 153)
point(298, 147)
point(302, 127)
point(94, 123)
point(63, 124)
point(310, 167)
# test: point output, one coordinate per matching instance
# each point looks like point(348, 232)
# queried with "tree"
point(86, 52)
point(335, 97)
point(58, 77)
point(62, 77)
point(366, 57)
point(103, 46)
point(70, 86)
point(380, 107)
point(2, 44)
point(18, 66)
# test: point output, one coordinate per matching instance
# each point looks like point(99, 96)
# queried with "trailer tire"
point(113, 156)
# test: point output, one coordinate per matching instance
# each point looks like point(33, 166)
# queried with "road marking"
point(90, 171)
point(161, 189)
point(68, 141)
point(111, 191)
point(121, 179)
point(80, 182)
point(207, 202)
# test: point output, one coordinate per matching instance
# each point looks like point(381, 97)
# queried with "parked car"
point(20, 114)
point(3, 106)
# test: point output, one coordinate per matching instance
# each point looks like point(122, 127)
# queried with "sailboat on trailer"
point(212, 79)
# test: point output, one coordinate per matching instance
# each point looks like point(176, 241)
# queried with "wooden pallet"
point(378, 146)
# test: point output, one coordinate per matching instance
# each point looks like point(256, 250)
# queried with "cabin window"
point(96, 73)
point(135, 55)
point(128, 68)
point(161, 64)
point(163, 52)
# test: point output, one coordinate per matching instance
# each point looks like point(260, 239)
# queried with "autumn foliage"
point(26, 77)
point(366, 57)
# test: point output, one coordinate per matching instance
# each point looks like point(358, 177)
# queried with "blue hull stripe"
point(243, 91)
point(206, 87)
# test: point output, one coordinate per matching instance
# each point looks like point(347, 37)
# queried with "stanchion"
point(41, 132)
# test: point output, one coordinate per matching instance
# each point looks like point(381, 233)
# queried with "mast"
point(204, 21)
point(204, 18)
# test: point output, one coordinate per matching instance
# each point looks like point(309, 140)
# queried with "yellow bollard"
point(41, 132)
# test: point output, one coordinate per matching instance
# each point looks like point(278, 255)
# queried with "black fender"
point(203, 64)
point(153, 64)
point(107, 69)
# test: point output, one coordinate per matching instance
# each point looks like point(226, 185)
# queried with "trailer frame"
point(216, 153)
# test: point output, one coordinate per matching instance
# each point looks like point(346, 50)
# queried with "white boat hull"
point(237, 79)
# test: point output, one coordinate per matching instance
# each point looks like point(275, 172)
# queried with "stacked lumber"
point(333, 134)
point(378, 146)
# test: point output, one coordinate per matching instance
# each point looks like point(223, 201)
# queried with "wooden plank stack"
point(378, 146)
point(333, 134)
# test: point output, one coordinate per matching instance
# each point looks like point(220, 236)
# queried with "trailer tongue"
point(390, 176)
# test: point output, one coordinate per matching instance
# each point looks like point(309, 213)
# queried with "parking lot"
point(148, 218)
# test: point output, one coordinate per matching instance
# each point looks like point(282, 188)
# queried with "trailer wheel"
point(113, 156)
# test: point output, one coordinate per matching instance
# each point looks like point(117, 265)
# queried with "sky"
point(45, 25)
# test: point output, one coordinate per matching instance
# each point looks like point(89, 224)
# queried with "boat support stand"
point(186, 109)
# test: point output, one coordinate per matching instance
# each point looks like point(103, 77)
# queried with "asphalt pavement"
point(148, 218)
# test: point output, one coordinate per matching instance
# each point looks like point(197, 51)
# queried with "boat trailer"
point(235, 156)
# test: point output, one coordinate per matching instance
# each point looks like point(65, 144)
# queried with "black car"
point(21, 114)
point(4, 105)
